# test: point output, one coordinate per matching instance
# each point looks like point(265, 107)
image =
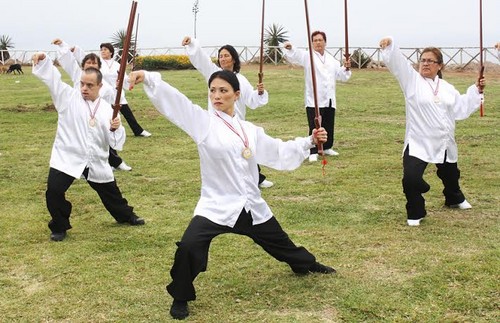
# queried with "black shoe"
point(322, 269)
point(136, 221)
point(58, 236)
point(179, 310)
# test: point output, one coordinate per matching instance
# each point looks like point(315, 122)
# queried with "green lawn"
point(353, 218)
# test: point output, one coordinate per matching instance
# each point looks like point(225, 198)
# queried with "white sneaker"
point(145, 133)
point(313, 157)
point(331, 152)
point(462, 206)
point(124, 167)
point(266, 184)
point(414, 223)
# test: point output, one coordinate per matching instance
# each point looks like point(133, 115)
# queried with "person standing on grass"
point(109, 71)
point(328, 71)
point(230, 202)
point(228, 59)
point(81, 146)
point(497, 46)
point(432, 108)
point(70, 64)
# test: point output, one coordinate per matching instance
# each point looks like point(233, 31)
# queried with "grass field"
point(353, 218)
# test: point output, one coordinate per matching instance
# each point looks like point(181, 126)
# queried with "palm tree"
point(118, 40)
point(275, 34)
point(5, 44)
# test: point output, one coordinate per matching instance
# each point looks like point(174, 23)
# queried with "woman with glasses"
point(432, 107)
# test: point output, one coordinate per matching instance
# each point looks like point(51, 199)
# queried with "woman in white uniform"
point(228, 59)
point(432, 107)
point(230, 202)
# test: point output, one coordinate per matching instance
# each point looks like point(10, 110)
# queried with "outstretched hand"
point(186, 41)
point(57, 41)
point(481, 84)
point(347, 63)
point(38, 57)
point(319, 136)
point(134, 78)
point(260, 88)
point(115, 123)
point(385, 42)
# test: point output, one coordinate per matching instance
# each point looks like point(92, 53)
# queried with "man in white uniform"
point(85, 131)
point(328, 71)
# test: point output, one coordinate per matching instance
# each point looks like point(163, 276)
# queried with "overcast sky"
point(32, 24)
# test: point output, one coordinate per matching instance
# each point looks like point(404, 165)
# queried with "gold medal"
point(247, 153)
point(92, 121)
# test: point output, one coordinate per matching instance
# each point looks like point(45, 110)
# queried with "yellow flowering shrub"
point(163, 62)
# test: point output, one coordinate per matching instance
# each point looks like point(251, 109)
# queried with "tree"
point(275, 34)
point(118, 40)
point(5, 44)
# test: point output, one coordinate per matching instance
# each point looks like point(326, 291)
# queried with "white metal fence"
point(459, 56)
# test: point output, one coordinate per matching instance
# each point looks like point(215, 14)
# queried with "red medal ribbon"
point(434, 90)
point(92, 114)
point(245, 141)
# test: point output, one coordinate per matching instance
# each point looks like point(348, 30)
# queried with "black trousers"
point(191, 256)
point(60, 208)
point(414, 184)
point(132, 122)
point(114, 160)
point(327, 122)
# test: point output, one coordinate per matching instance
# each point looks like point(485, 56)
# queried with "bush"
point(359, 59)
point(163, 62)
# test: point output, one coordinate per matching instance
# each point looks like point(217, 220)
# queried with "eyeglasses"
point(428, 61)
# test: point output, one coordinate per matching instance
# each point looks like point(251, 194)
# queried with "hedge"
point(163, 62)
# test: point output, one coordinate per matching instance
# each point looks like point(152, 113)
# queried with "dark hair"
point(227, 76)
point(439, 56)
point(108, 46)
point(317, 32)
point(93, 58)
point(234, 55)
point(93, 70)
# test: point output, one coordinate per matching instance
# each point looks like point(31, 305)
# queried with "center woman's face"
point(223, 96)
point(226, 61)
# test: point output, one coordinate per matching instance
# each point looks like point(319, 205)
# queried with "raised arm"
point(67, 60)
point(200, 60)
point(174, 105)
point(295, 56)
point(286, 155)
point(44, 69)
point(399, 66)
